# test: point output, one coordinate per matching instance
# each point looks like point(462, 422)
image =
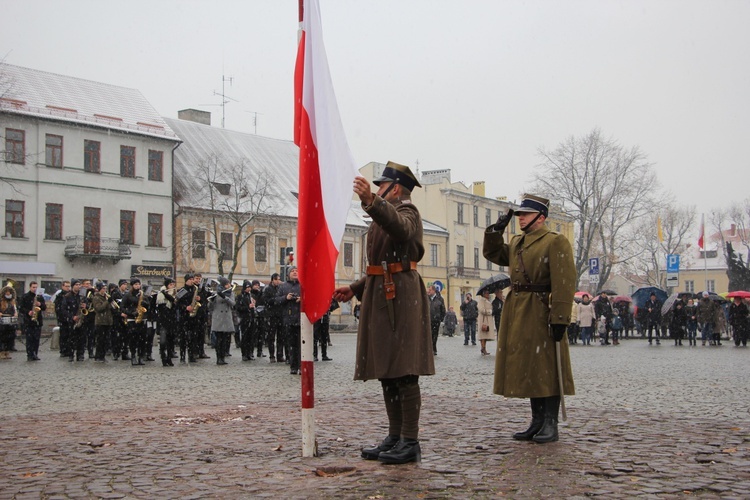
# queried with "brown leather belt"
point(395, 267)
point(520, 287)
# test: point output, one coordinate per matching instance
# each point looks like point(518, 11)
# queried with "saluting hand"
point(362, 189)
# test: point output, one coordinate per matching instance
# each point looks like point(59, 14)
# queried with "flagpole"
point(703, 238)
point(307, 386)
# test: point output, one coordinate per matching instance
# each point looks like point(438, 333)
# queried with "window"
point(223, 188)
point(155, 165)
point(14, 218)
point(476, 258)
point(226, 245)
point(488, 218)
point(91, 156)
point(15, 146)
point(708, 254)
point(476, 216)
point(127, 162)
point(348, 254)
point(690, 286)
point(199, 244)
point(92, 223)
point(460, 213)
point(489, 265)
point(53, 222)
point(54, 150)
point(154, 230)
point(127, 227)
point(512, 225)
point(711, 285)
point(50, 287)
point(433, 255)
point(261, 249)
point(459, 256)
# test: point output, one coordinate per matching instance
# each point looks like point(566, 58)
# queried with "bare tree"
point(676, 224)
point(606, 188)
point(237, 200)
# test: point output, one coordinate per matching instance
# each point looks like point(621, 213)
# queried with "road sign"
point(594, 266)
point(673, 263)
point(438, 285)
point(673, 280)
point(593, 278)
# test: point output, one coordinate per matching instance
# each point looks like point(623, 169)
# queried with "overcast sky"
point(474, 86)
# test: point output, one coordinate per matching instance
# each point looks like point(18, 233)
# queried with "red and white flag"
point(701, 233)
point(326, 168)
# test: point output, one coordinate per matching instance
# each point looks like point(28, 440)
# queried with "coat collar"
point(533, 236)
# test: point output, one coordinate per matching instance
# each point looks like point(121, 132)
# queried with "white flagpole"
point(705, 251)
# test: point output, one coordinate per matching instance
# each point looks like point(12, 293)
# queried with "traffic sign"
point(593, 278)
point(673, 263)
point(594, 266)
point(673, 280)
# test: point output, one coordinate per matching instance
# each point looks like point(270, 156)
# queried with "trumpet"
point(113, 303)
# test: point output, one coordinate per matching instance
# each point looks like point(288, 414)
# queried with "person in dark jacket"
point(738, 318)
point(221, 305)
point(497, 308)
point(288, 297)
point(603, 307)
point(652, 316)
point(470, 313)
point(31, 307)
point(245, 307)
point(321, 333)
point(678, 321)
point(707, 310)
point(103, 321)
point(691, 321)
point(274, 323)
point(135, 306)
point(437, 314)
point(59, 304)
point(166, 312)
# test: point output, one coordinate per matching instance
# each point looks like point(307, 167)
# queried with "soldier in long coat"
point(536, 315)
point(394, 344)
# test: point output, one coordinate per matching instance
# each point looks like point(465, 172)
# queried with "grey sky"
point(474, 86)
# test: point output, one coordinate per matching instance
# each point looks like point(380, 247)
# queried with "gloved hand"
point(503, 221)
point(558, 332)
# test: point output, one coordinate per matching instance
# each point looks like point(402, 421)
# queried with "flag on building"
point(326, 168)
point(701, 233)
point(659, 230)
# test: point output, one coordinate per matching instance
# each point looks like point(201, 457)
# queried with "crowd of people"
point(688, 318)
point(122, 320)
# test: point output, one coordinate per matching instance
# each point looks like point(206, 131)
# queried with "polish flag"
point(326, 167)
point(701, 233)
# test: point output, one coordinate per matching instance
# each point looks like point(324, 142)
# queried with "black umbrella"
point(608, 292)
point(642, 295)
point(494, 283)
point(711, 295)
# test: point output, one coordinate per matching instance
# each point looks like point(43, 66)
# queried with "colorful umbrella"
point(622, 298)
point(739, 293)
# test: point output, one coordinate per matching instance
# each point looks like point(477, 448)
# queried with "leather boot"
point(537, 419)
point(548, 432)
point(407, 450)
point(372, 453)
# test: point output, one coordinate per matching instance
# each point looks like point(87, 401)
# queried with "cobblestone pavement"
point(661, 422)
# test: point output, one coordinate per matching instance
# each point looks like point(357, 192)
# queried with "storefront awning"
point(16, 268)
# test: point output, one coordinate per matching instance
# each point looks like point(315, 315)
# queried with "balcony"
point(463, 272)
point(77, 247)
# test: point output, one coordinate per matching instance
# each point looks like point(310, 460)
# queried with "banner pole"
point(309, 443)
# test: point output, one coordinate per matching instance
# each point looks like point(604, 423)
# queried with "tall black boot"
point(405, 451)
point(537, 419)
point(548, 432)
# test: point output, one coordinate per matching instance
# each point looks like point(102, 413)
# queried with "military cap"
point(399, 174)
point(532, 203)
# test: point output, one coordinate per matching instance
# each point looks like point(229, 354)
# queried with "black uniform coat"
point(384, 352)
point(525, 366)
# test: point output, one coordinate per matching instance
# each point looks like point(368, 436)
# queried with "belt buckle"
point(515, 286)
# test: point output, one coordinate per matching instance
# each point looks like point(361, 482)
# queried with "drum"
point(8, 320)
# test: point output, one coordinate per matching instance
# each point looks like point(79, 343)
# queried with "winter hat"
point(100, 285)
point(246, 284)
point(223, 281)
point(133, 281)
point(122, 281)
point(188, 276)
point(168, 281)
point(256, 282)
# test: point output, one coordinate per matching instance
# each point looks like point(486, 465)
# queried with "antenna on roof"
point(255, 120)
point(225, 99)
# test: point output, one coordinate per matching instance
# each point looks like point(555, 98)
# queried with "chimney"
point(478, 188)
point(195, 115)
point(733, 230)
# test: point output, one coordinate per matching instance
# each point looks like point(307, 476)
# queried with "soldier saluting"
point(531, 361)
point(394, 344)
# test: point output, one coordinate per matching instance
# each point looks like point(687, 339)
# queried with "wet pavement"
point(661, 422)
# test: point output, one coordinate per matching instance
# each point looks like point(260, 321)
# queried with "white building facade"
point(86, 183)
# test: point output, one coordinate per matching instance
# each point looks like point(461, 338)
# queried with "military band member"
point(119, 331)
point(75, 310)
point(188, 301)
point(31, 308)
point(245, 308)
point(535, 317)
point(135, 308)
point(62, 320)
point(222, 324)
point(394, 344)
point(166, 310)
point(104, 320)
point(201, 318)
point(89, 326)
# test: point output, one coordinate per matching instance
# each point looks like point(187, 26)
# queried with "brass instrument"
point(35, 316)
point(195, 304)
point(113, 303)
point(82, 313)
point(141, 310)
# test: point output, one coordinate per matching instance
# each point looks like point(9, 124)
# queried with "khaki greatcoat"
point(525, 365)
point(383, 352)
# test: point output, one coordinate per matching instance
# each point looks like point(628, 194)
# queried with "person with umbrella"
point(531, 361)
point(738, 313)
point(677, 321)
point(484, 306)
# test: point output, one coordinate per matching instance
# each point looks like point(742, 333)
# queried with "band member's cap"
point(100, 285)
point(223, 281)
point(399, 174)
point(168, 281)
point(74, 282)
point(532, 203)
point(133, 281)
point(247, 284)
point(122, 281)
point(189, 276)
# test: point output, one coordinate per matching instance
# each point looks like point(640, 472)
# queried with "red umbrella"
point(739, 293)
point(580, 293)
point(622, 298)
